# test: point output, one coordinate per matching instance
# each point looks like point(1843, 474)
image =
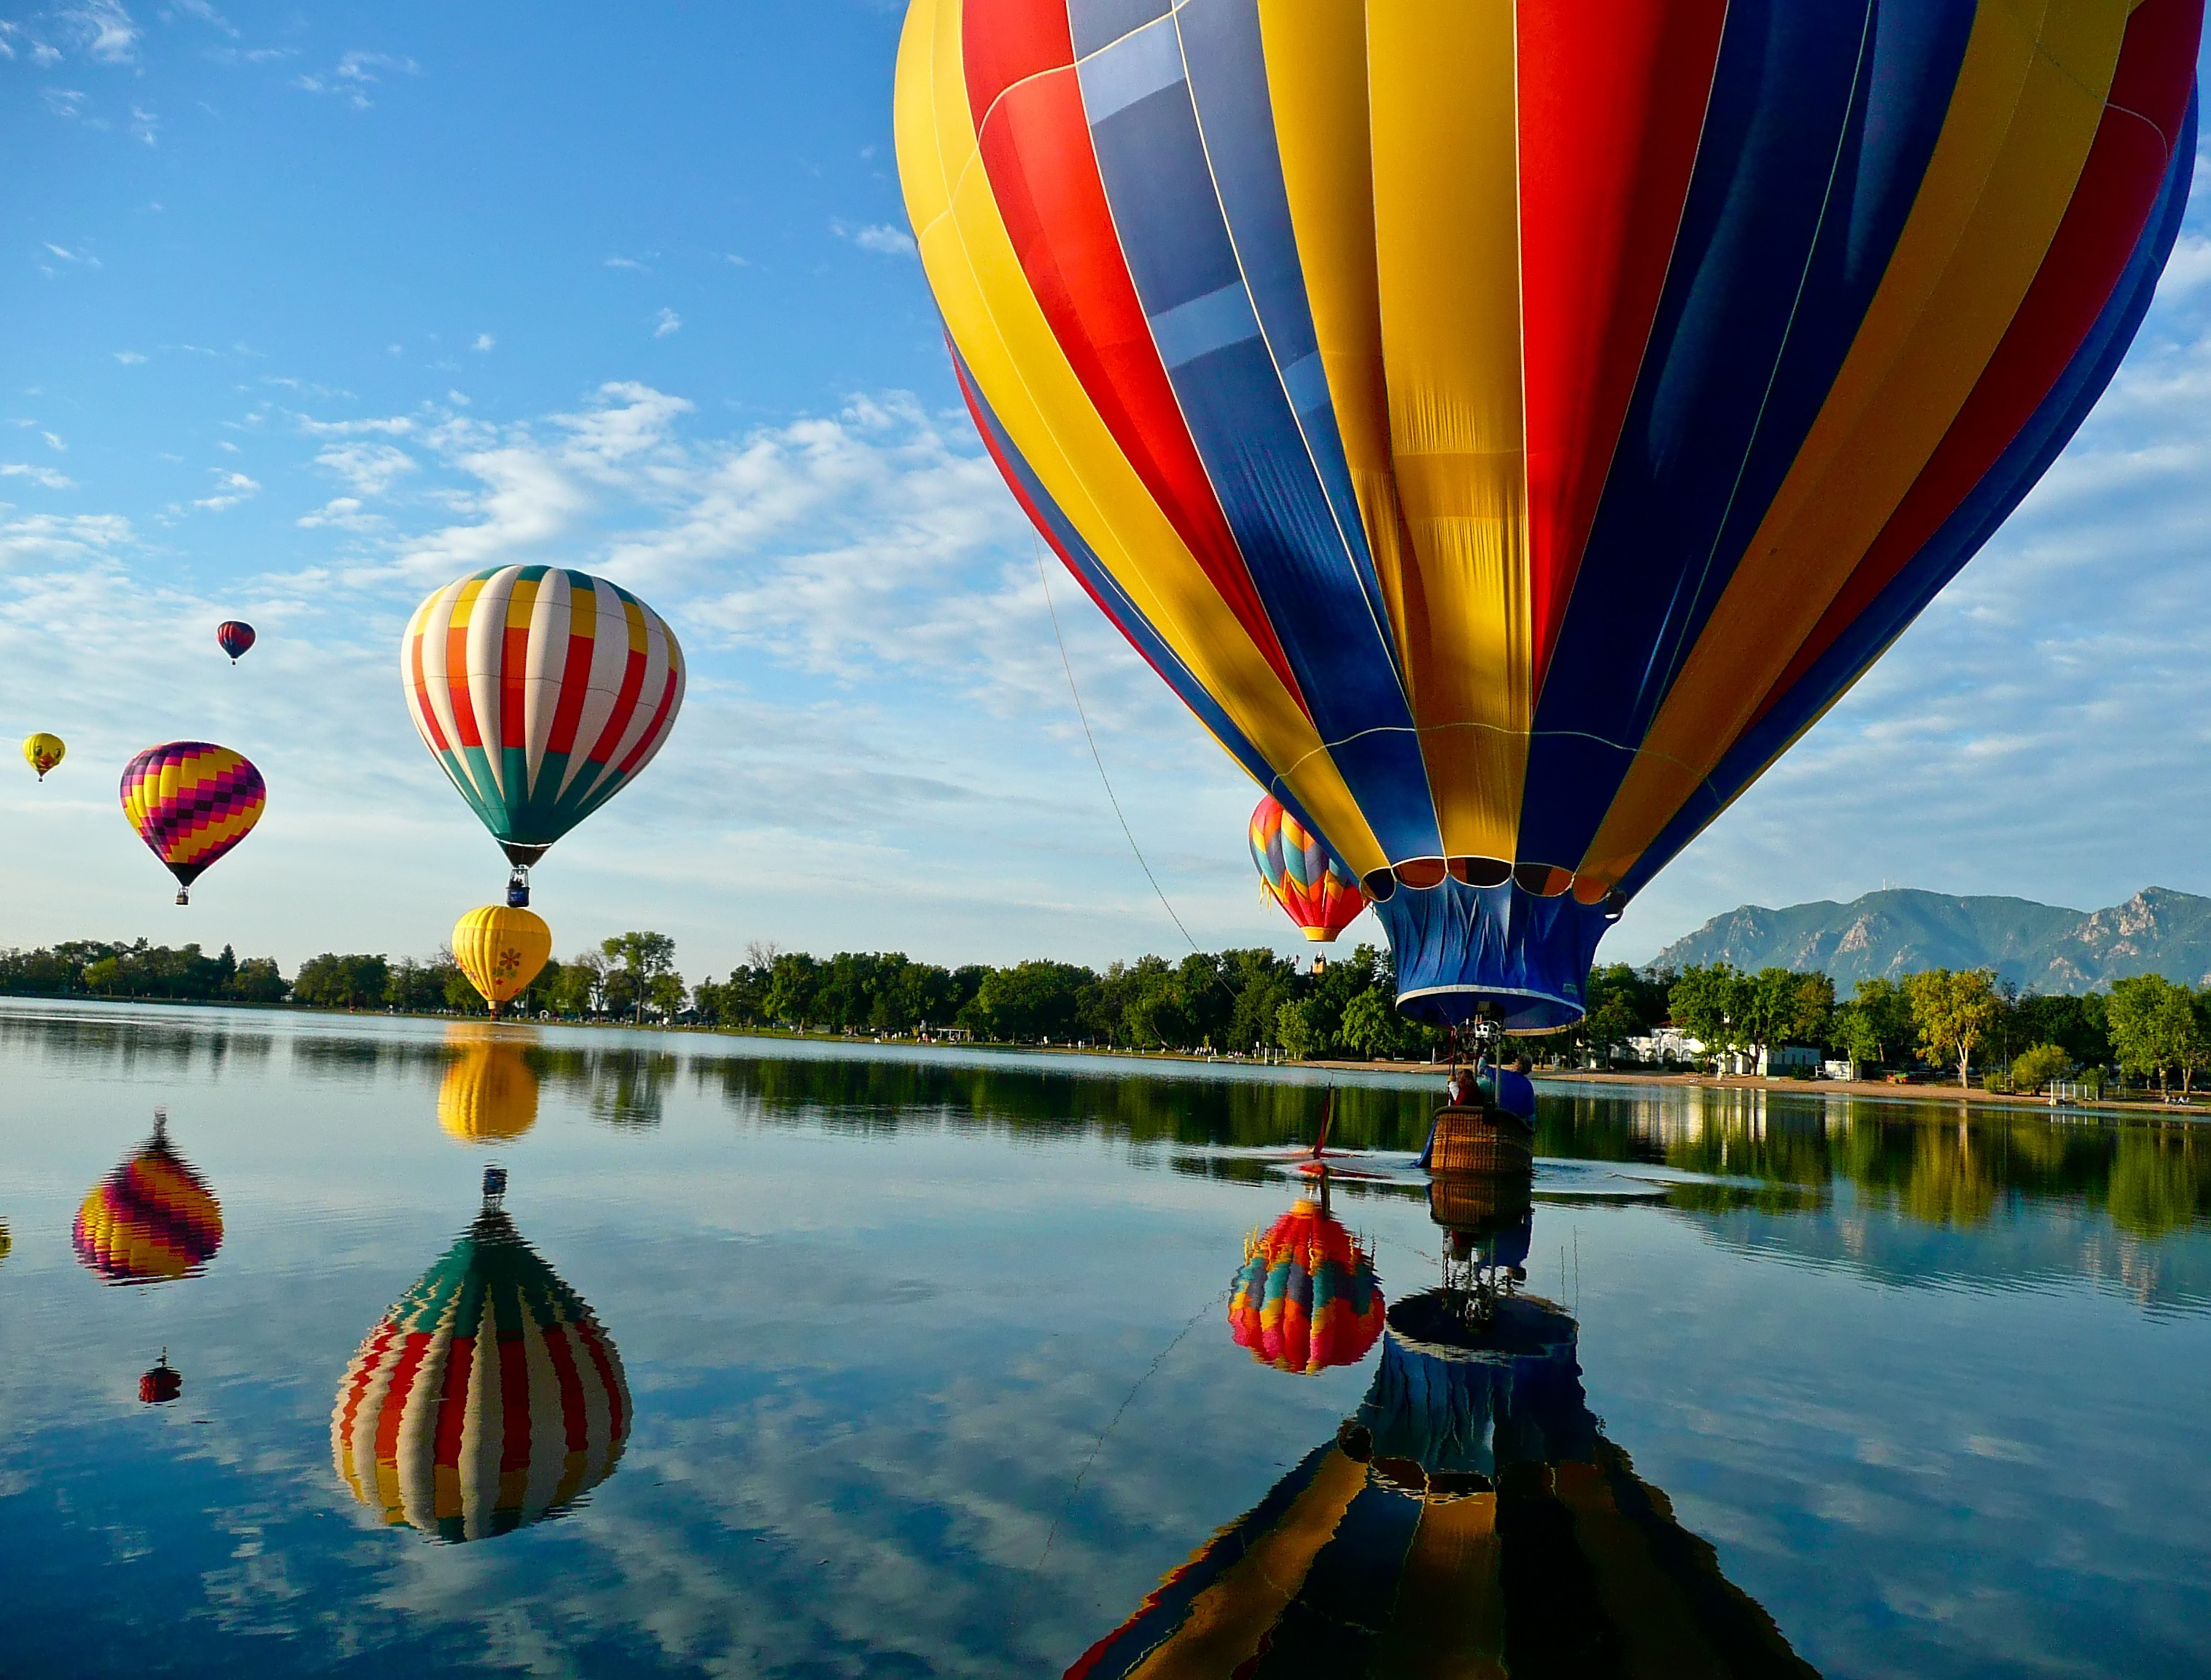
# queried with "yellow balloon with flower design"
point(501, 948)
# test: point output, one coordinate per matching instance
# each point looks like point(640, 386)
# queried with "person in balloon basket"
point(1485, 1086)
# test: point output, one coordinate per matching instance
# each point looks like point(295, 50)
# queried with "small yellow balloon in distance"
point(490, 1094)
point(43, 751)
point(501, 949)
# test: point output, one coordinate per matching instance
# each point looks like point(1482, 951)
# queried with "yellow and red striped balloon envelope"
point(540, 692)
point(1306, 1298)
point(1509, 424)
point(1300, 876)
point(191, 802)
point(152, 1219)
point(488, 1398)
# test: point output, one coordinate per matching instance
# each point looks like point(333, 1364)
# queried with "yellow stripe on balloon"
point(1440, 75)
point(2029, 99)
point(994, 318)
point(1315, 54)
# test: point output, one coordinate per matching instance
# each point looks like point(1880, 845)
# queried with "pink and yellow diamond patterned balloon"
point(190, 802)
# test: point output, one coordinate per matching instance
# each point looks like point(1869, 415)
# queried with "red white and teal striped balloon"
point(542, 692)
point(488, 1398)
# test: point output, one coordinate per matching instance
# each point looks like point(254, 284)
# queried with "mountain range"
point(2042, 946)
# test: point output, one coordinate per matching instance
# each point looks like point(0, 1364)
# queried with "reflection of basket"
point(1480, 1204)
point(1481, 1140)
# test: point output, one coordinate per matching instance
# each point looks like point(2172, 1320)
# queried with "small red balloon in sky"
point(236, 635)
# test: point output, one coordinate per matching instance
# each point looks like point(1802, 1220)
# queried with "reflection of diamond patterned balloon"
point(152, 1219)
point(1306, 1298)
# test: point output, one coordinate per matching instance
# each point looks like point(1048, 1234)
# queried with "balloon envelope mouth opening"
point(1529, 1013)
point(521, 856)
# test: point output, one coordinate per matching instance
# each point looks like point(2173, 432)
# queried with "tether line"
point(1067, 665)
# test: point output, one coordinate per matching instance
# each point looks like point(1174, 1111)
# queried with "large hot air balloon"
point(542, 692)
point(152, 1219)
point(1470, 1519)
point(43, 751)
point(488, 1398)
point(502, 949)
point(489, 1095)
point(1299, 874)
point(1509, 426)
point(1306, 1297)
point(234, 636)
point(190, 802)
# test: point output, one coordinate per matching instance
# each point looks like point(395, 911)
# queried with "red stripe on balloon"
point(575, 683)
point(411, 1353)
point(372, 1357)
point(570, 1384)
point(2112, 203)
point(625, 708)
point(588, 1334)
point(514, 670)
point(453, 1401)
point(645, 742)
point(513, 1403)
point(1611, 97)
point(457, 686)
point(1034, 139)
point(422, 696)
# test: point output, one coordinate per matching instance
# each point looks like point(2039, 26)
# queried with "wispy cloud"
point(231, 489)
point(369, 469)
point(129, 358)
point(666, 322)
point(484, 344)
point(354, 74)
point(626, 263)
point(881, 238)
point(104, 29)
point(43, 476)
point(206, 14)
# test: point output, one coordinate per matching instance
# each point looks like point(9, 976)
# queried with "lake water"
point(799, 1359)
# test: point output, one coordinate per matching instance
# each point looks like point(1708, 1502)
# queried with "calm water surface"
point(787, 1359)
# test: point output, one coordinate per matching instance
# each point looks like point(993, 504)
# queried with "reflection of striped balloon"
point(1306, 1298)
point(190, 802)
point(542, 692)
point(488, 1397)
point(1312, 889)
point(153, 1218)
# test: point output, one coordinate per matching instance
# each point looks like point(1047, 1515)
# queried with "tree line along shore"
point(1238, 1002)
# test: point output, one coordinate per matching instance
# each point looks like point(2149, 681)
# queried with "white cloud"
point(43, 476)
point(342, 514)
point(369, 469)
point(104, 29)
point(881, 238)
point(62, 102)
point(231, 489)
point(129, 358)
point(395, 426)
point(206, 14)
point(666, 322)
point(54, 442)
point(627, 262)
point(79, 256)
point(145, 125)
point(484, 343)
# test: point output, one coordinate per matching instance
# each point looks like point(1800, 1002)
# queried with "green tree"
point(1299, 1032)
point(644, 957)
point(333, 982)
point(576, 989)
point(1875, 1026)
point(1373, 1029)
point(1952, 1012)
point(1708, 1002)
point(259, 980)
point(2036, 1066)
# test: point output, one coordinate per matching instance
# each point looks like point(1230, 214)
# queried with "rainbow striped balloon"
point(542, 692)
point(190, 802)
point(488, 1398)
point(1306, 1298)
point(152, 1219)
point(1301, 876)
point(1508, 426)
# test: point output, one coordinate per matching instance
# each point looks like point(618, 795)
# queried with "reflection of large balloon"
point(150, 1220)
point(502, 949)
point(43, 751)
point(542, 692)
point(489, 1094)
point(1300, 876)
point(1470, 1520)
point(1306, 1298)
point(488, 1398)
point(1508, 427)
point(190, 802)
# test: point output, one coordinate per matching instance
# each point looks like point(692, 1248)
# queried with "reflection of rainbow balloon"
point(152, 1219)
point(489, 1095)
point(1311, 887)
point(190, 802)
point(1470, 1519)
point(488, 1398)
point(1306, 1298)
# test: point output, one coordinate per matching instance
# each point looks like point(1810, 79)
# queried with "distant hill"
point(2042, 947)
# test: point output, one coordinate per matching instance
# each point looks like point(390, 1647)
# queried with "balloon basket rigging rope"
point(1067, 665)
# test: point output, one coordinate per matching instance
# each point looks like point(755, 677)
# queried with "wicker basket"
point(1486, 1141)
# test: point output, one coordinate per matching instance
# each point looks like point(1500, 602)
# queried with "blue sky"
point(309, 310)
